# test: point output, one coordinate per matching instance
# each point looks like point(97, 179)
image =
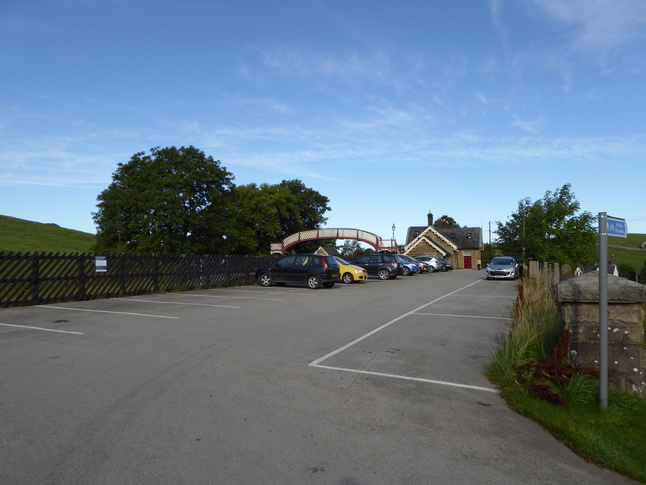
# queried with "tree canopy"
point(550, 230)
point(267, 213)
point(445, 222)
point(182, 201)
point(156, 203)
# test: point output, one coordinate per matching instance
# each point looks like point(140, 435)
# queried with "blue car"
point(410, 266)
point(445, 264)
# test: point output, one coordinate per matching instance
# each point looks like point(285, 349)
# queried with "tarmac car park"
point(371, 383)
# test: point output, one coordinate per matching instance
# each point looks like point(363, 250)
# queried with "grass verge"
point(614, 438)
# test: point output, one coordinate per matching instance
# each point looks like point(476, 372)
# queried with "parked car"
point(425, 266)
point(502, 267)
point(435, 264)
point(383, 265)
point(411, 266)
point(445, 264)
point(313, 270)
point(350, 272)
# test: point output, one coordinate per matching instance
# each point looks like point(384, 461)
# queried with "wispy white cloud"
point(352, 68)
point(599, 25)
point(529, 126)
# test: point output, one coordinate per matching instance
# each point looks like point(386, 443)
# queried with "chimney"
point(430, 218)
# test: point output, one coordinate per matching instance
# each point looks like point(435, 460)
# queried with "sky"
point(390, 109)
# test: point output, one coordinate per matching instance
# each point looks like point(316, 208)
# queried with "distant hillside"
point(27, 236)
point(627, 251)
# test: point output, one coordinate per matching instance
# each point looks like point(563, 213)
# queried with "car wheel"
point(328, 285)
point(431, 269)
point(313, 281)
point(347, 278)
point(406, 271)
point(383, 274)
point(264, 279)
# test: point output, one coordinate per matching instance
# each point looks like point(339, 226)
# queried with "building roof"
point(462, 237)
point(329, 250)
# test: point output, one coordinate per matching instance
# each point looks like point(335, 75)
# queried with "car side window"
point(375, 259)
point(362, 260)
point(300, 260)
point(286, 261)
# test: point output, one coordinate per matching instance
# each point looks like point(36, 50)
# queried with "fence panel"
point(38, 278)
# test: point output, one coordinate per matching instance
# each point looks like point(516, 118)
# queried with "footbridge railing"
point(330, 233)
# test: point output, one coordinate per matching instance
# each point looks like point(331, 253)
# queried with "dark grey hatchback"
point(383, 265)
point(313, 270)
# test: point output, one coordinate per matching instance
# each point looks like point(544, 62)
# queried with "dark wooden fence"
point(38, 278)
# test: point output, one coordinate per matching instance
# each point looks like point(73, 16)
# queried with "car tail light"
point(325, 263)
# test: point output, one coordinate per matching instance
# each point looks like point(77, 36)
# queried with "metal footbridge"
point(375, 241)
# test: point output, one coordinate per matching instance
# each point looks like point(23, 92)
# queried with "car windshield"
point(502, 261)
point(341, 260)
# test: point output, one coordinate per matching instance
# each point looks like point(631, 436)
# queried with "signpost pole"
point(603, 310)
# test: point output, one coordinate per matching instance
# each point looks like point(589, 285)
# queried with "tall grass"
point(614, 438)
point(534, 333)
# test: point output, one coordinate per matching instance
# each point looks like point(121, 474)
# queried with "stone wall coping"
point(585, 289)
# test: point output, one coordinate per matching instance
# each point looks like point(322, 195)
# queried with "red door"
point(467, 262)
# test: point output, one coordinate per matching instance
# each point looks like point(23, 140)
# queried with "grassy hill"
point(628, 251)
point(27, 236)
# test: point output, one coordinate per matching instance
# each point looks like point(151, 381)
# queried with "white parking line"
point(104, 311)
point(234, 297)
point(40, 328)
point(176, 303)
point(407, 378)
point(317, 363)
point(462, 316)
point(273, 289)
point(369, 334)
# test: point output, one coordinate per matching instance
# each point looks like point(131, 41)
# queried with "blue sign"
point(617, 227)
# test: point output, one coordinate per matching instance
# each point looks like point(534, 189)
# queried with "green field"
point(629, 253)
point(19, 235)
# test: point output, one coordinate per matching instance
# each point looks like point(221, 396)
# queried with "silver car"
point(432, 261)
point(502, 267)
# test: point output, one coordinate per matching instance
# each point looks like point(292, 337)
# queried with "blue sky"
point(390, 109)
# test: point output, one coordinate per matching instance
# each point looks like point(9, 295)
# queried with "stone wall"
point(579, 301)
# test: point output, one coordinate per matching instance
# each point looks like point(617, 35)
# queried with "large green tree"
point(262, 214)
point(164, 202)
point(550, 230)
point(308, 207)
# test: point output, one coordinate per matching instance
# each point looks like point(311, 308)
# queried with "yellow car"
point(349, 272)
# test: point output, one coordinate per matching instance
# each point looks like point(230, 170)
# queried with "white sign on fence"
point(100, 264)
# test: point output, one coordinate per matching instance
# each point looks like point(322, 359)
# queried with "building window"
point(416, 233)
point(468, 235)
point(452, 236)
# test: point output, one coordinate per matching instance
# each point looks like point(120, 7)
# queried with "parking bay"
point(378, 382)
